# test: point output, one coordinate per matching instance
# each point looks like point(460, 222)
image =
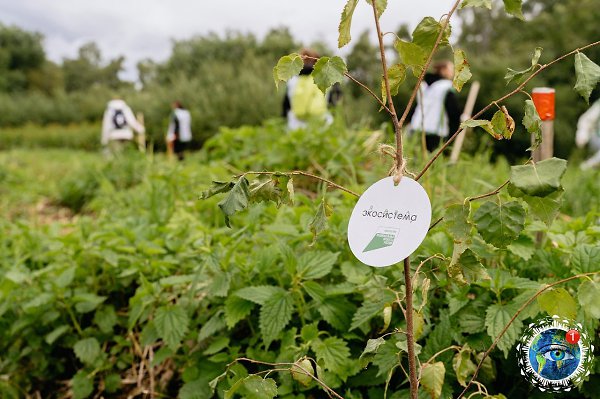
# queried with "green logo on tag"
point(383, 238)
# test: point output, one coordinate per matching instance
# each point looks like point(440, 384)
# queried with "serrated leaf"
point(588, 75)
point(471, 323)
point(462, 71)
point(427, 32)
point(302, 370)
point(456, 219)
point(264, 191)
point(471, 267)
point(538, 179)
point(87, 350)
point(558, 301)
point(438, 338)
point(345, 23)
point(316, 264)
point(463, 365)
point(370, 350)
point(55, 334)
point(514, 8)
point(287, 67)
point(380, 6)
point(337, 312)
point(533, 124)
point(396, 75)
point(236, 309)
point(217, 187)
point(497, 317)
point(366, 312)
point(432, 378)
point(589, 298)
point(236, 200)
point(476, 3)
point(499, 225)
point(258, 294)
point(319, 222)
point(523, 247)
point(171, 323)
point(256, 387)
point(503, 124)
point(328, 71)
point(106, 318)
point(275, 314)
point(197, 389)
point(81, 385)
point(334, 353)
point(586, 258)
point(519, 75)
point(212, 326)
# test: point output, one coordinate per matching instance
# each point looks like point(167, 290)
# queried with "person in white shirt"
point(179, 133)
point(588, 132)
point(118, 125)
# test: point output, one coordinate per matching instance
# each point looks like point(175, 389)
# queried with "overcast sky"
point(144, 28)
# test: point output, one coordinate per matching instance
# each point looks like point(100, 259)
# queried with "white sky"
point(144, 28)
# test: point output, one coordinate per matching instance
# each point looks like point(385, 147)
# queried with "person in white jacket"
point(118, 125)
point(588, 132)
point(179, 133)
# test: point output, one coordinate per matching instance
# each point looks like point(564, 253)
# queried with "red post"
point(543, 99)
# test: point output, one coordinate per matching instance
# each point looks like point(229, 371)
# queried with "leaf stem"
point(302, 173)
point(491, 348)
point(364, 86)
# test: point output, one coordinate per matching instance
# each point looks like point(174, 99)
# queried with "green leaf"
point(462, 71)
point(463, 365)
point(319, 222)
point(523, 247)
point(212, 326)
point(264, 190)
point(366, 312)
point(545, 208)
point(533, 124)
point(275, 314)
point(112, 383)
point(589, 298)
point(588, 75)
point(82, 385)
point(217, 187)
point(256, 387)
point(497, 317)
point(558, 301)
point(476, 3)
point(499, 225)
point(334, 353)
point(471, 323)
point(500, 126)
point(346, 22)
point(482, 123)
point(337, 312)
point(87, 350)
point(370, 350)
point(538, 179)
point(411, 55)
point(299, 371)
point(456, 219)
point(171, 323)
point(518, 75)
point(396, 75)
point(432, 378)
point(380, 6)
point(197, 389)
point(427, 32)
point(470, 268)
point(106, 318)
point(513, 7)
point(328, 71)
point(287, 67)
point(87, 302)
point(236, 200)
point(259, 294)
point(586, 258)
point(236, 309)
point(316, 264)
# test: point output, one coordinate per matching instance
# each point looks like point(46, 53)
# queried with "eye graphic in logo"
point(555, 354)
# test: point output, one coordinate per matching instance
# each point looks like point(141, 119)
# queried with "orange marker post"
point(543, 99)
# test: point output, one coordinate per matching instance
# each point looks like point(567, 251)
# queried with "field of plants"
point(119, 280)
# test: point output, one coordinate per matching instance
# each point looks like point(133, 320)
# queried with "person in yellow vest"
point(304, 102)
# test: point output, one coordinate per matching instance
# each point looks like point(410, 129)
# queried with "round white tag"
point(389, 222)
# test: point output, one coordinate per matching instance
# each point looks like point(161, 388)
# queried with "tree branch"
point(364, 86)
point(306, 174)
point(510, 94)
point(513, 319)
point(410, 337)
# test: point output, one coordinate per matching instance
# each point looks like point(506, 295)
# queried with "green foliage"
point(588, 75)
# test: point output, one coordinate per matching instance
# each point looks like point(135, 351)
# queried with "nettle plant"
point(480, 231)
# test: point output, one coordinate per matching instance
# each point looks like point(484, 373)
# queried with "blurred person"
point(304, 101)
point(437, 112)
point(118, 124)
point(588, 132)
point(179, 132)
